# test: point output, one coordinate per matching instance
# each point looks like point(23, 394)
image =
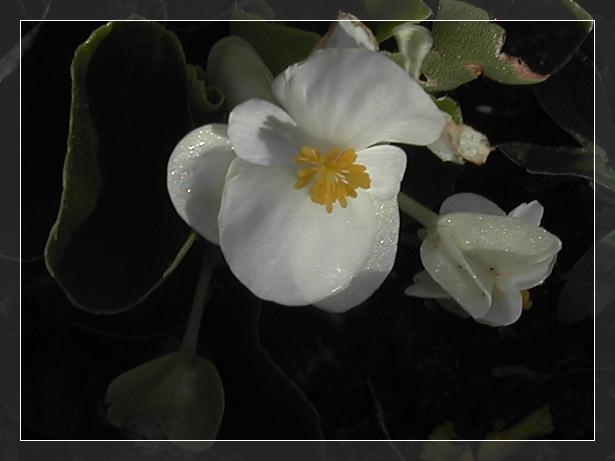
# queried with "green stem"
point(209, 262)
point(416, 211)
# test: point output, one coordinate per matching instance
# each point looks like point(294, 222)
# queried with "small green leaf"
point(117, 235)
point(403, 11)
point(536, 425)
point(178, 396)
point(463, 50)
point(451, 107)
point(279, 45)
point(579, 13)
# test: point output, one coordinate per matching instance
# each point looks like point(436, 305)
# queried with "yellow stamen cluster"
point(335, 175)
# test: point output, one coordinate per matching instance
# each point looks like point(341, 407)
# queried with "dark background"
point(393, 367)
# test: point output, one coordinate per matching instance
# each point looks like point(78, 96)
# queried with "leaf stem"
point(416, 211)
point(209, 262)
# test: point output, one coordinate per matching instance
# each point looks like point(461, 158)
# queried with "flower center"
point(335, 175)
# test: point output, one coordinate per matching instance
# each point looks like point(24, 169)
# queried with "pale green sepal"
point(178, 396)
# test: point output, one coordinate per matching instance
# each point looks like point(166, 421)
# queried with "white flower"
point(309, 212)
point(457, 142)
point(483, 258)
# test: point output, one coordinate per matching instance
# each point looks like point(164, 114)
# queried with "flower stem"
point(209, 262)
point(416, 211)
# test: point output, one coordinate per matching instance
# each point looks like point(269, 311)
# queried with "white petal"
point(466, 202)
point(264, 134)
point(414, 43)
point(531, 212)
point(424, 286)
point(378, 265)
point(505, 309)
point(195, 177)
point(357, 98)
point(348, 32)
point(511, 237)
point(386, 166)
point(526, 277)
point(237, 69)
point(452, 272)
point(284, 247)
point(515, 252)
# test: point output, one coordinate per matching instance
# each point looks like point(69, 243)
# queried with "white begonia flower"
point(198, 164)
point(457, 142)
point(483, 258)
point(309, 210)
point(195, 177)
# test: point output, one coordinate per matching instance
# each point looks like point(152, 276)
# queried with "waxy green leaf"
point(117, 236)
point(562, 160)
point(575, 161)
point(463, 50)
point(568, 99)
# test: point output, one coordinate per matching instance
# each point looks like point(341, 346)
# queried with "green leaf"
point(578, 12)
point(178, 396)
point(278, 45)
point(404, 11)
point(451, 107)
point(562, 160)
point(535, 425)
point(574, 161)
point(567, 98)
point(463, 50)
point(117, 235)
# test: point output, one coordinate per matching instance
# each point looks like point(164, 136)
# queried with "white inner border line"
point(306, 440)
